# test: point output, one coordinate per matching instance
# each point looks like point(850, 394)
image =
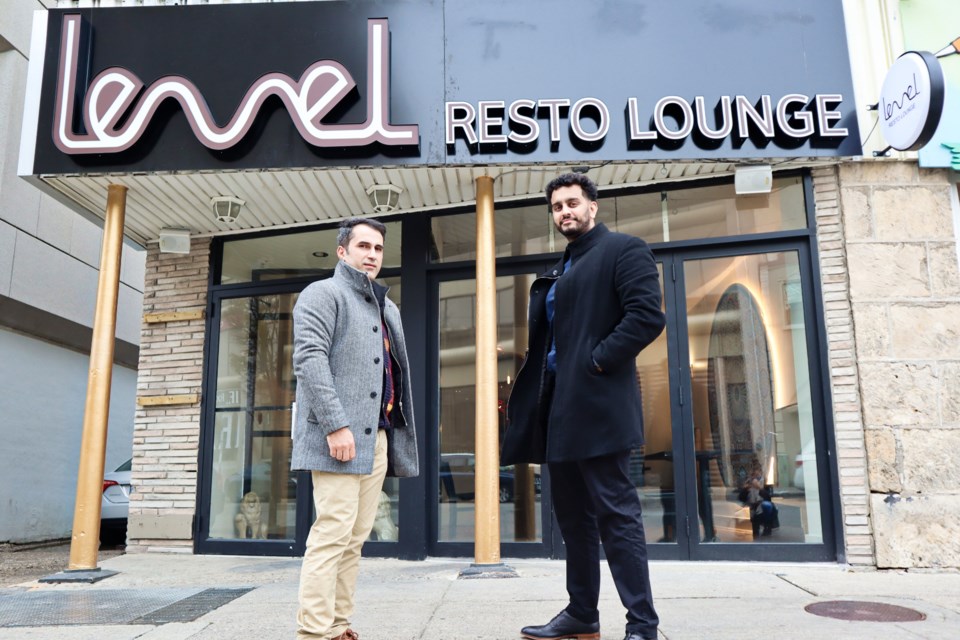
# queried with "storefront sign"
point(795, 116)
point(431, 82)
point(117, 95)
point(911, 101)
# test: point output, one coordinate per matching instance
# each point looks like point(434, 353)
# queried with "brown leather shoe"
point(349, 634)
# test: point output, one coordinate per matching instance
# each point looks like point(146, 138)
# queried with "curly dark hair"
point(570, 179)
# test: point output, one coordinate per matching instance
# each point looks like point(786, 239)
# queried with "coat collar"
point(579, 247)
point(587, 241)
point(359, 281)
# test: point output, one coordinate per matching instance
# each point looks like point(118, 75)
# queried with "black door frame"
point(689, 546)
point(202, 541)
point(551, 543)
point(420, 277)
point(405, 547)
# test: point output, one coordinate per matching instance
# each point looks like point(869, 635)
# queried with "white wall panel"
point(55, 224)
point(41, 421)
point(48, 279)
point(19, 202)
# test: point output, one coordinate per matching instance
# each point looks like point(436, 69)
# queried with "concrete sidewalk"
point(400, 600)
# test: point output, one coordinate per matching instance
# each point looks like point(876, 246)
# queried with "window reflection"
point(707, 212)
point(751, 400)
point(253, 491)
point(519, 485)
point(293, 255)
point(651, 466)
point(661, 216)
point(519, 231)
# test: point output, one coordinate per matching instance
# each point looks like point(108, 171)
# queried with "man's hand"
point(341, 445)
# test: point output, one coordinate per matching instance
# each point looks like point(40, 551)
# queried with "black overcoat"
point(607, 309)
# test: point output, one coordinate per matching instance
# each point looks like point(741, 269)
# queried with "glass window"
point(520, 511)
point(752, 412)
point(311, 253)
point(253, 491)
point(706, 212)
point(683, 214)
point(651, 466)
point(519, 231)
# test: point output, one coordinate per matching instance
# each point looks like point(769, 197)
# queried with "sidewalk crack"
point(434, 612)
point(794, 584)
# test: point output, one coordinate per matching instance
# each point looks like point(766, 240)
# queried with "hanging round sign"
point(911, 100)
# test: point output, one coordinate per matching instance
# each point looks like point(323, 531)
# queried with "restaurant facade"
point(796, 290)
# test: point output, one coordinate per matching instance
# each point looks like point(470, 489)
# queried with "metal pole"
point(487, 495)
point(85, 540)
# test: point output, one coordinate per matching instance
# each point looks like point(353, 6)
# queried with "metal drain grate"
point(111, 606)
point(864, 611)
point(193, 607)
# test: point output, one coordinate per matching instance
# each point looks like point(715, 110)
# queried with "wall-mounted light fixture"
point(753, 178)
point(384, 197)
point(174, 241)
point(226, 208)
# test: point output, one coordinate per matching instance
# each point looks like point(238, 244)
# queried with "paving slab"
point(833, 581)
point(424, 600)
point(98, 632)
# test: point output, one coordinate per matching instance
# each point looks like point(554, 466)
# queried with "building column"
point(487, 481)
point(85, 537)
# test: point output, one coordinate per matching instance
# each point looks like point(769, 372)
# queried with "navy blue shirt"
point(551, 304)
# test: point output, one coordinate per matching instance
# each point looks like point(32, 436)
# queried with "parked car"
point(115, 505)
point(457, 479)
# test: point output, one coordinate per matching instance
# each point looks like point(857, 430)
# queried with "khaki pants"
point(346, 508)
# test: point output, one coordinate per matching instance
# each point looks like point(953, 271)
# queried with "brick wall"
point(166, 438)
point(897, 402)
point(842, 368)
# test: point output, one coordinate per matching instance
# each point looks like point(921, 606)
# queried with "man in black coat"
point(575, 406)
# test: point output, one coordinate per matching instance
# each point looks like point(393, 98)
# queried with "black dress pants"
point(595, 501)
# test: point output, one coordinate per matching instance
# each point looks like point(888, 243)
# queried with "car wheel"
point(113, 536)
point(505, 494)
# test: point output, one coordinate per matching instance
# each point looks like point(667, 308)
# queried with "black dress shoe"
point(636, 636)
point(563, 627)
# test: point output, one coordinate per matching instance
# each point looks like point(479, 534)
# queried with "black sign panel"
point(364, 83)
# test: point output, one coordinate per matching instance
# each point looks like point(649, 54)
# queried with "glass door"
point(252, 496)
point(524, 507)
point(751, 424)
point(733, 460)
point(654, 466)
point(251, 502)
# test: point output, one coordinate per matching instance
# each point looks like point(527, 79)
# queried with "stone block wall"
point(900, 241)
point(166, 438)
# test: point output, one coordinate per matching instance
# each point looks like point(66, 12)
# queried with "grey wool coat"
point(337, 358)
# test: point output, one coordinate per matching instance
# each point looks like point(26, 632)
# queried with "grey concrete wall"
point(49, 255)
point(41, 409)
point(49, 259)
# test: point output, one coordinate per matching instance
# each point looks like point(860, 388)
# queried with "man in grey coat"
point(354, 420)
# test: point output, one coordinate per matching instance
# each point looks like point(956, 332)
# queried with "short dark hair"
point(345, 234)
point(571, 179)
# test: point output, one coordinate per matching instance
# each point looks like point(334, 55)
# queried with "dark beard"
point(573, 233)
